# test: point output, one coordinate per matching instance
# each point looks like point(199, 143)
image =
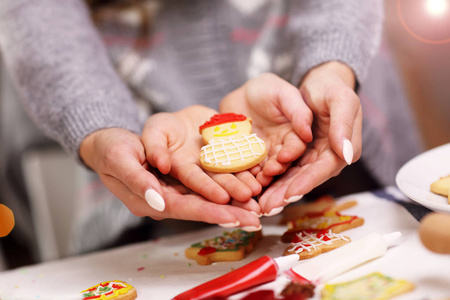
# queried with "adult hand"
point(118, 156)
point(173, 145)
point(280, 117)
point(329, 92)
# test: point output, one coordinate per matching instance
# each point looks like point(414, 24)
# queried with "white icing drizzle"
point(223, 151)
point(310, 241)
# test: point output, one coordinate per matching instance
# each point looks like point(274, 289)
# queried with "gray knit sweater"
point(75, 79)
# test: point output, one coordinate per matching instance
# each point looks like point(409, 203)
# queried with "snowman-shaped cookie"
point(230, 145)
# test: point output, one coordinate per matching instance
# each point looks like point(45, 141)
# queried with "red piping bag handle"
point(257, 272)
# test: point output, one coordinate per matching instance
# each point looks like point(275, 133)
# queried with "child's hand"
point(280, 117)
point(172, 142)
point(328, 91)
point(118, 156)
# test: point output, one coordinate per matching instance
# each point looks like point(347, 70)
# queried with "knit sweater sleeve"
point(348, 31)
point(62, 71)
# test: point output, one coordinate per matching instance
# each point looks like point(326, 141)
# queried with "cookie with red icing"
point(333, 221)
point(114, 290)
point(323, 204)
point(230, 246)
point(230, 145)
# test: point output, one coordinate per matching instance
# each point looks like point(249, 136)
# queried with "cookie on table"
point(333, 221)
point(442, 187)
point(325, 203)
point(308, 244)
point(230, 246)
point(114, 290)
point(230, 145)
point(372, 286)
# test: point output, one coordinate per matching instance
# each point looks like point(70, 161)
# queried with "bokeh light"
point(436, 8)
point(427, 21)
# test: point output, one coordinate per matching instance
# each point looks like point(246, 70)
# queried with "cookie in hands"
point(230, 145)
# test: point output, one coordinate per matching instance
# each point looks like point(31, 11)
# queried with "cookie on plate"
point(372, 286)
point(230, 246)
point(114, 290)
point(230, 144)
point(333, 221)
point(308, 244)
point(442, 187)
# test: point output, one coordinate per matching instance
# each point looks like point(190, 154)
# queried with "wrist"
point(332, 68)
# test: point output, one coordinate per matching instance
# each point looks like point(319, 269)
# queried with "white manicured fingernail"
point(256, 214)
point(251, 228)
point(348, 151)
point(230, 225)
point(155, 200)
point(293, 199)
point(274, 211)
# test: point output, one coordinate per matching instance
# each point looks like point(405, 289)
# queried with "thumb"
point(155, 140)
point(346, 126)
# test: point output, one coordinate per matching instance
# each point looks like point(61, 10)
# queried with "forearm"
point(348, 31)
point(62, 71)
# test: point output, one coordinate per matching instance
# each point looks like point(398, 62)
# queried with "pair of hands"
point(282, 116)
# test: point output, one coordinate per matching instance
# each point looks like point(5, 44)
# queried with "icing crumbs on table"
point(141, 269)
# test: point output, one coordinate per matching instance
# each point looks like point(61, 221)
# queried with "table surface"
point(158, 269)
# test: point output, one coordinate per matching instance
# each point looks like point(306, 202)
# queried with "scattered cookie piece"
point(308, 244)
point(230, 246)
point(115, 290)
point(230, 145)
point(333, 221)
point(295, 290)
point(325, 203)
point(374, 286)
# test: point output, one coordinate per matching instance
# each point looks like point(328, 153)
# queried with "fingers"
point(297, 112)
point(185, 207)
point(290, 150)
point(300, 180)
point(155, 140)
point(197, 180)
point(138, 181)
point(195, 208)
point(251, 205)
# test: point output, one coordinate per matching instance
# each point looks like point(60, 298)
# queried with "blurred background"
point(40, 183)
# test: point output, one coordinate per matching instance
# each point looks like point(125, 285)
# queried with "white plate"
point(415, 177)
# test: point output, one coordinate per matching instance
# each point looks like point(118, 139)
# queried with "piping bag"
point(316, 270)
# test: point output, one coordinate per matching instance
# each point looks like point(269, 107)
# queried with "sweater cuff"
point(333, 47)
point(77, 122)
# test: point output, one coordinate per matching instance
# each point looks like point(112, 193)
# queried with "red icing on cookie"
point(207, 250)
point(221, 119)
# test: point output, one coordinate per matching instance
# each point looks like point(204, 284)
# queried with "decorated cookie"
point(230, 246)
point(115, 290)
point(374, 286)
point(308, 244)
point(333, 221)
point(229, 144)
point(442, 187)
point(325, 203)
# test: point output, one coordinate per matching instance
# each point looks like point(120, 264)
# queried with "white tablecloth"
point(159, 270)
